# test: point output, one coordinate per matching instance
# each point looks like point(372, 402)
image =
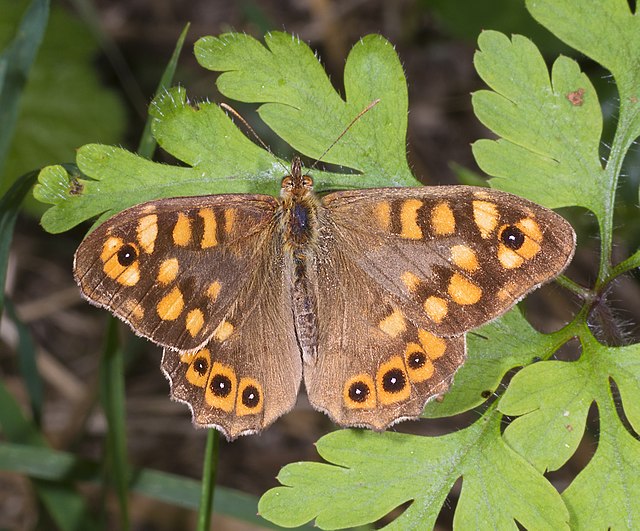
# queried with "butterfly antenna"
point(360, 114)
point(251, 130)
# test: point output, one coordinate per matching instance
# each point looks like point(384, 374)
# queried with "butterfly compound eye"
point(512, 237)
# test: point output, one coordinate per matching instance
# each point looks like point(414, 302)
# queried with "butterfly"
point(366, 295)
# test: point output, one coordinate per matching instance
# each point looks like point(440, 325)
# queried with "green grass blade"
point(51, 465)
point(28, 366)
point(17, 59)
point(9, 207)
point(148, 143)
point(208, 479)
point(64, 505)
point(112, 398)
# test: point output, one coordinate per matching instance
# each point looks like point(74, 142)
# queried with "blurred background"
point(93, 79)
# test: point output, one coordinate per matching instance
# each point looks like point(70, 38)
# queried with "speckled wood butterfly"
point(366, 294)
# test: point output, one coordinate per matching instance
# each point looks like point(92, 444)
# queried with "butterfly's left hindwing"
point(171, 268)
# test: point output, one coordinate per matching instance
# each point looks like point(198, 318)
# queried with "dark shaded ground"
point(160, 435)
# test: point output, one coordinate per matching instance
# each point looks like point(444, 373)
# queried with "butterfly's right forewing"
point(171, 268)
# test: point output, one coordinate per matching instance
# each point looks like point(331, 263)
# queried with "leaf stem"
point(622, 140)
point(208, 479)
point(574, 287)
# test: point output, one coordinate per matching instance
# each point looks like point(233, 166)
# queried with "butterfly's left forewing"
point(454, 257)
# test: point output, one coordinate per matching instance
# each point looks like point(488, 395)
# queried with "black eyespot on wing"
point(359, 392)
point(127, 254)
point(220, 385)
point(201, 365)
point(251, 396)
point(394, 381)
point(512, 237)
point(416, 360)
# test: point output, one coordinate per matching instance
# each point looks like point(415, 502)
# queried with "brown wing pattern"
point(171, 268)
point(453, 257)
point(250, 372)
point(374, 365)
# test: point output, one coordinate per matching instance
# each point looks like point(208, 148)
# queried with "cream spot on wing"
point(443, 221)
point(213, 290)
point(148, 232)
point(508, 258)
point(411, 281)
point(223, 331)
point(171, 305)
point(485, 215)
point(229, 219)
point(209, 237)
point(463, 291)
point(182, 230)
point(130, 276)
point(382, 214)
point(195, 320)
point(394, 324)
point(464, 257)
point(531, 228)
point(436, 308)
point(409, 219)
point(135, 312)
point(168, 271)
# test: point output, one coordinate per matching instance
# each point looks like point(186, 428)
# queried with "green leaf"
point(616, 47)
point(65, 506)
point(371, 474)
point(64, 104)
point(606, 494)
point(15, 64)
point(27, 363)
point(553, 399)
point(112, 399)
point(304, 109)
point(549, 127)
point(221, 159)
point(492, 351)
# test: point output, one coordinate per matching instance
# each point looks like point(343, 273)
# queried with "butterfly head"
point(296, 185)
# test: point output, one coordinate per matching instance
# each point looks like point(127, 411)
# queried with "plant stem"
point(208, 480)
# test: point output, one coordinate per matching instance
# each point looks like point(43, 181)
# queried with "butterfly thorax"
point(299, 230)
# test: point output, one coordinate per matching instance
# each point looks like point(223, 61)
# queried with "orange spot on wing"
point(394, 324)
point(168, 271)
point(465, 258)
point(382, 214)
point(436, 308)
point(409, 219)
point(485, 215)
point(147, 231)
point(209, 237)
point(195, 321)
point(443, 221)
point(171, 305)
point(463, 291)
point(182, 230)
